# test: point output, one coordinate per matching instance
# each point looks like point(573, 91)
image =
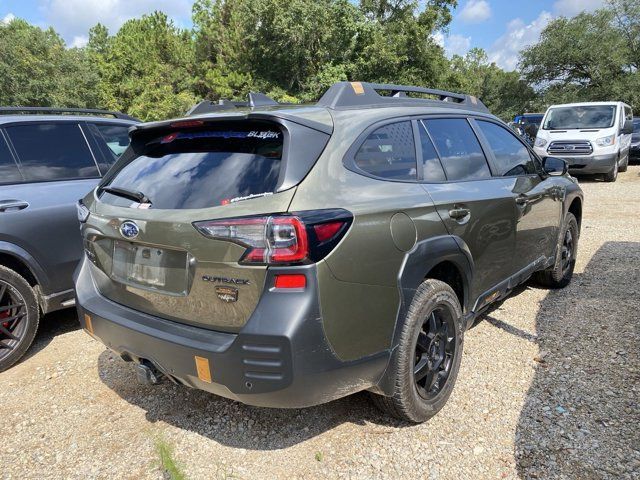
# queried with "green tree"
point(146, 69)
point(587, 58)
point(504, 93)
point(36, 69)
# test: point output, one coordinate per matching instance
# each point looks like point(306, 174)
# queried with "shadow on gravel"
point(581, 415)
point(232, 423)
point(52, 325)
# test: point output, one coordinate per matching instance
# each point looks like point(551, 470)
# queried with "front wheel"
point(19, 317)
point(624, 165)
point(612, 176)
point(427, 360)
point(560, 273)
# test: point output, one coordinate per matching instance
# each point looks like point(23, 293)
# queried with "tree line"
point(293, 50)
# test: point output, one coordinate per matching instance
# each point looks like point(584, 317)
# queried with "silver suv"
point(49, 158)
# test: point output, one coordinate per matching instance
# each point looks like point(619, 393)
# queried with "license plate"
point(139, 265)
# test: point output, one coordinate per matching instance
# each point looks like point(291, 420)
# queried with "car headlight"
point(540, 142)
point(606, 141)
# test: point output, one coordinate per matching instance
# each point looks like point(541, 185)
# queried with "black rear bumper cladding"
point(281, 357)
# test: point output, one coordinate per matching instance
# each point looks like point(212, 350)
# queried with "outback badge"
point(227, 294)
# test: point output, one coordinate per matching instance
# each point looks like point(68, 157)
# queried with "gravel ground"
point(548, 389)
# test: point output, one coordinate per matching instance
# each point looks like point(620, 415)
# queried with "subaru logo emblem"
point(129, 229)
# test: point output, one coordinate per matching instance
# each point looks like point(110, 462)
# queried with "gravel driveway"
point(548, 389)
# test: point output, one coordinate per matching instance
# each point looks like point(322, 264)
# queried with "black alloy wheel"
point(434, 352)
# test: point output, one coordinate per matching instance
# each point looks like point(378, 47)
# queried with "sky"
point(501, 27)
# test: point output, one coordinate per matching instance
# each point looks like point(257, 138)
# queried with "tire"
point(624, 165)
point(559, 275)
point(435, 308)
point(20, 321)
point(612, 176)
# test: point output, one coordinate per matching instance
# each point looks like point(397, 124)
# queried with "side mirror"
point(627, 128)
point(555, 166)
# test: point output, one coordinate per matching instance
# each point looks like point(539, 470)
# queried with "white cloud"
point(475, 11)
point(79, 41)
point(8, 18)
point(571, 8)
point(452, 44)
point(505, 50)
point(73, 18)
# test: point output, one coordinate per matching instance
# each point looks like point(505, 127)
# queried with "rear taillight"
point(281, 239)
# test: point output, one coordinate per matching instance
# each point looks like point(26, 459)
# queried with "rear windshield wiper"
point(130, 194)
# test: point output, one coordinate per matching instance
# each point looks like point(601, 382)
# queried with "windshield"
point(201, 168)
point(586, 116)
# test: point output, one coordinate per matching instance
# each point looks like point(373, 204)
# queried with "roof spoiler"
point(256, 99)
point(64, 111)
point(363, 94)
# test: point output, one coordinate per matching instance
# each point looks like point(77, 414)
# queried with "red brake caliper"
point(4, 315)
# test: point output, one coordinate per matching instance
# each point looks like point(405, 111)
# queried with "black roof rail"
point(363, 94)
point(62, 111)
point(256, 99)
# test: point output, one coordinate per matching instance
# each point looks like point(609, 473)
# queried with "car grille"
point(570, 148)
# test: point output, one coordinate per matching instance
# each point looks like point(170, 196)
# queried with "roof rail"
point(256, 99)
point(362, 94)
point(62, 111)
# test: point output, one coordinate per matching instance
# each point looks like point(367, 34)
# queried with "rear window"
point(203, 167)
point(389, 152)
point(52, 151)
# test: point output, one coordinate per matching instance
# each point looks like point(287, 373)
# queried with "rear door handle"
point(458, 213)
point(12, 205)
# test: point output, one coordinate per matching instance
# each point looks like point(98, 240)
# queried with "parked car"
point(287, 256)
point(527, 126)
point(49, 158)
point(634, 151)
point(594, 138)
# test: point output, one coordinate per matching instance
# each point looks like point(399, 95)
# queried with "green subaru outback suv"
point(286, 256)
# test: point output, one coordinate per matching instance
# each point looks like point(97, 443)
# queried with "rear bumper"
point(281, 357)
point(590, 164)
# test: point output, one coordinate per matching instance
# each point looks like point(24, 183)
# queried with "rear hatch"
point(143, 236)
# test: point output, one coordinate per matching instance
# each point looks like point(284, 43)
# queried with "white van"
point(594, 137)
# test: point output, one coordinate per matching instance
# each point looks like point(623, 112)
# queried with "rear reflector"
point(87, 323)
point(291, 281)
point(202, 367)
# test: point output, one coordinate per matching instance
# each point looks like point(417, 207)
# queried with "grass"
point(170, 467)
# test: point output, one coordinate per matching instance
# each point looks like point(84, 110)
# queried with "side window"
point(512, 157)
point(9, 172)
point(389, 152)
point(458, 148)
point(628, 113)
point(112, 141)
point(116, 137)
point(52, 151)
point(431, 166)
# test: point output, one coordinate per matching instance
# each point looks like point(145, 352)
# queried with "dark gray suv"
point(49, 158)
point(285, 256)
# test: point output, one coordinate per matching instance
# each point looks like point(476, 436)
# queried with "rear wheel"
point(427, 360)
point(559, 275)
point(19, 317)
point(612, 176)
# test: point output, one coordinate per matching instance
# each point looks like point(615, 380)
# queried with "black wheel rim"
point(434, 352)
point(567, 252)
point(13, 314)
